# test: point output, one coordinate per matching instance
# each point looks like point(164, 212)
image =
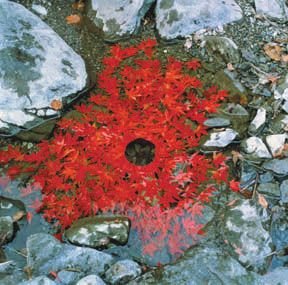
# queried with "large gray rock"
point(118, 18)
point(221, 139)
point(46, 254)
point(242, 229)
point(99, 231)
point(36, 67)
point(272, 8)
point(255, 148)
point(208, 265)
point(176, 18)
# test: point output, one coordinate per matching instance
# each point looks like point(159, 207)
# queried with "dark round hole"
point(140, 152)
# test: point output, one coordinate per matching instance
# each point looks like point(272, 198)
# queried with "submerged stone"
point(118, 18)
point(36, 67)
point(122, 272)
point(200, 265)
point(99, 231)
point(46, 254)
point(6, 229)
point(91, 280)
point(180, 18)
point(244, 232)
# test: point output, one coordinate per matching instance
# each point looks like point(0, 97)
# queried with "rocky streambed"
point(46, 65)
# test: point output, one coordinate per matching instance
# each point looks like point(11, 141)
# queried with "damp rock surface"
point(36, 67)
point(99, 231)
point(46, 254)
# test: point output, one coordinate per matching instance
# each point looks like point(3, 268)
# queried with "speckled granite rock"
point(176, 18)
point(36, 67)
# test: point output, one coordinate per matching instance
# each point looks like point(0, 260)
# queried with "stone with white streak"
point(258, 121)
point(36, 67)
point(221, 139)
point(255, 147)
point(276, 142)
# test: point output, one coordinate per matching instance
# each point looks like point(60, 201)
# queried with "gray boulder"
point(118, 18)
point(46, 254)
point(180, 18)
point(272, 8)
point(36, 68)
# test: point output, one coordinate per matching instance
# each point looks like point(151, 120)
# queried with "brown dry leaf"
point(230, 66)
point(56, 105)
point(285, 57)
point(273, 79)
point(236, 155)
point(80, 5)
point(280, 152)
point(273, 51)
point(262, 201)
point(18, 216)
point(73, 19)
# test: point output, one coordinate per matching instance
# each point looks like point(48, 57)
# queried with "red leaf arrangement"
point(83, 169)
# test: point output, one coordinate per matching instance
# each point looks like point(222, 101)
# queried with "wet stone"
point(222, 48)
point(180, 18)
point(217, 122)
point(46, 254)
point(6, 229)
point(255, 148)
point(68, 277)
point(278, 166)
point(47, 69)
point(244, 232)
point(122, 272)
point(284, 191)
point(91, 280)
point(200, 265)
point(272, 8)
point(99, 231)
point(221, 139)
point(41, 280)
point(277, 276)
point(279, 234)
point(270, 189)
point(10, 273)
point(118, 19)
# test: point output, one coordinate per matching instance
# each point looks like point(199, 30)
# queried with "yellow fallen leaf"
point(273, 51)
point(73, 19)
point(262, 201)
point(56, 105)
